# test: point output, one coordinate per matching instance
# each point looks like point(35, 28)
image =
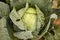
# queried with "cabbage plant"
point(28, 19)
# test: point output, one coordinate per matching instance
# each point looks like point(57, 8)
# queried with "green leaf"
point(57, 33)
point(40, 19)
point(3, 30)
point(17, 3)
point(4, 9)
point(44, 5)
point(10, 29)
point(23, 35)
point(8, 1)
point(49, 36)
point(56, 36)
point(45, 30)
point(16, 17)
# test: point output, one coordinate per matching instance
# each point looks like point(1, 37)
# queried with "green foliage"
point(28, 19)
point(4, 9)
point(3, 30)
point(43, 4)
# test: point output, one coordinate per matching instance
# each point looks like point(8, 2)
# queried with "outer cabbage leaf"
point(24, 35)
point(45, 5)
point(40, 19)
point(3, 30)
point(4, 9)
point(17, 3)
point(8, 1)
point(49, 36)
point(45, 30)
point(16, 17)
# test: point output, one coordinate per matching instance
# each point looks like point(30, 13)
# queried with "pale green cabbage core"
point(29, 19)
point(31, 10)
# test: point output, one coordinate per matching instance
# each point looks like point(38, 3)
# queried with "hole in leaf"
point(18, 20)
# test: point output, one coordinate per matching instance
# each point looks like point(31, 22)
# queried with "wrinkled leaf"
point(16, 17)
point(24, 35)
point(45, 5)
point(40, 19)
point(3, 30)
point(17, 3)
point(4, 9)
point(45, 30)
